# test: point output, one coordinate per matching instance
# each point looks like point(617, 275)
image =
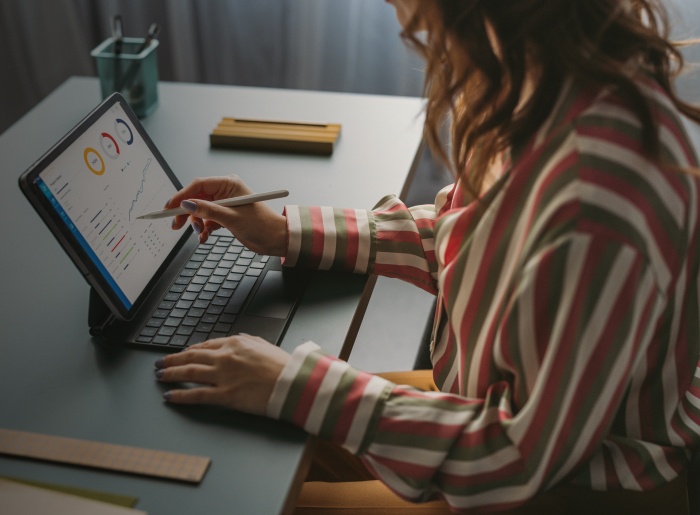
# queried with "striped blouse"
point(565, 342)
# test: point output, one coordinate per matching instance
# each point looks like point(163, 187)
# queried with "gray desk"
point(55, 380)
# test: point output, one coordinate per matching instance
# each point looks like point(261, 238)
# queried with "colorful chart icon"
point(121, 128)
point(109, 146)
point(91, 160)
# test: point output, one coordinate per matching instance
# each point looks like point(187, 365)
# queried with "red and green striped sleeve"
point(569, 377)
point(391, 240)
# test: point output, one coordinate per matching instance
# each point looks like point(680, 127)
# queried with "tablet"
point(89, 189)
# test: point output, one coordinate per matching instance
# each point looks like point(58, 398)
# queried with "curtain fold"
point(331, 45)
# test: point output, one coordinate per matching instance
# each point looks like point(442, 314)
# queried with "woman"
point(565, 260)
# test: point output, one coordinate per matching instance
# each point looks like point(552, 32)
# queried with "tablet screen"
point(98, 186)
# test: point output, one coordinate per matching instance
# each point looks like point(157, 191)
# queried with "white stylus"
point(228, 202)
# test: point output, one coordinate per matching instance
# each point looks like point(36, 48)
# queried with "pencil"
point(229, 202)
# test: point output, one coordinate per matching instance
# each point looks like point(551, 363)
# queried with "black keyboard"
point(206, 296)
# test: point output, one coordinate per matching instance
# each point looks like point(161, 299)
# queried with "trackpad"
point(276, 296)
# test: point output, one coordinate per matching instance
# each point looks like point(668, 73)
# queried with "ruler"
point(121, 458)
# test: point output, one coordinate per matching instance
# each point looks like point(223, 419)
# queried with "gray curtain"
point(333, 45)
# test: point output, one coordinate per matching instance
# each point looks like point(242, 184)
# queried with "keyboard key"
point(236, 241)
point(188, 272)
point(211, 287)
point(200, 304)
point(221, 271)
point(198, 338)
point(160, 313)
point(195, 288)
point(179, 341)
point(201, 251)
point(177, 288)
point(216, 279)
point(148, 331)
point(205, 246)
point(222, 328)
point(167, 331)
point(144, 339)
point(193, 265)
point(223, 292)
point(243, 261)
point(189, 295)
point(238, 299)
point(225, 263)
point(171, 296)
point(231, 285)
point(212, 240)
point(206, 295)
point(184, 304)
point(195, 312)
point(238, 269)
point(182, 280)
point(235, 277)
point(166, 304)
point(265, 259)
point(178, 313)
point(205, 328)
point(255, 272)
point(230, 257)
point(214, 257)
point(218, 250)
point(225, 239)
point(198, 257)
point(227, 319)
point(199, 280)
point(185, 330)
point(248, 254)
point(162, 340)
point(220, 301)
point(190, 321)
point(172, 322)
point(154, 322)
point(215, 310)
point(205, 272)
point(209, 265)
point(213, 336)
point(210, 319)
point(257, 265)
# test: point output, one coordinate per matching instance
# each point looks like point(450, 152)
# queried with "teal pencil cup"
point(133, 75)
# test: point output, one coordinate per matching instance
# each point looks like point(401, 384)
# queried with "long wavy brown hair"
point(484, 55)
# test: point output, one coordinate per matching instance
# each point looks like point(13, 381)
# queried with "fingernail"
point(160, 372)
point(160, 362)
point(197, 228)
point(168, 202)
point(188, 206)
point(167, 395)
point(172, 224)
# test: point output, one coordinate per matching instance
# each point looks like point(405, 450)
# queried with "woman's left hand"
point(242, 371)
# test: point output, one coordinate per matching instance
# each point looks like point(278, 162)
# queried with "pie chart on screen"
point(123, 131)
point(109, 146)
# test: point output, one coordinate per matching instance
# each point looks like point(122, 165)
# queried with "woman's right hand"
point(255, 225)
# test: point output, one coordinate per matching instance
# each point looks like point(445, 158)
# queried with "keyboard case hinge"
point(99, 314)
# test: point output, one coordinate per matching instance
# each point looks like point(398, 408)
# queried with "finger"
point(179, 221)
point(217, 343)
point(196, 356)
point(209, 211)
point(211, 187)
point(211, 226)
point(197, 224)
point(199, 395)
point(192, 373)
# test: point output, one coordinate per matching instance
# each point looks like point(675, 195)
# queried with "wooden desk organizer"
point(297, 137)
